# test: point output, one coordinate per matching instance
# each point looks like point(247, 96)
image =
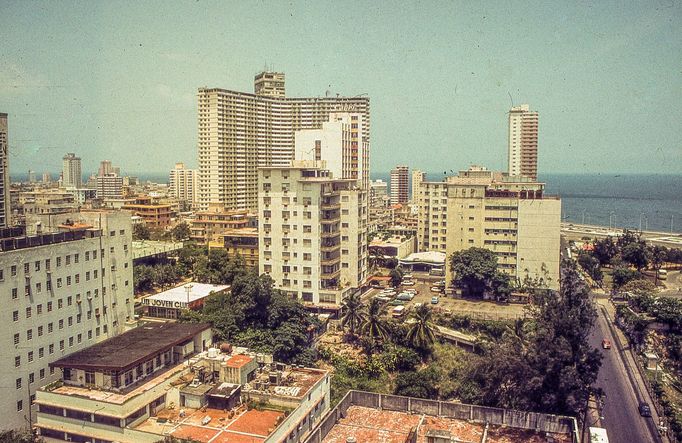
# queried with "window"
point(30, 356)
point(29, 334)
point(59, 282)
point(40, 331)
point(17, 361)
point(31, 378)
point(20, 405)
point(61, 323)
point(41, 352)
point(13, 270)
point(39, 287)
point(61, 345)
point(70, 321)
point(50, 348)
point(87, 255)
point(49, 306)
point(28, 312)
point(48, 285)
point(15, 293)
point(59, 261)
point(75, 258)
point(15, 315)
point(70, 341)
point(68, 260)
point(60, 303)
point(42, 373)
point(68, 280)
point(26, 267)
point(16, 339)
point(90, 378)
point(78, 278)
point(49, 328)
point(18, 383)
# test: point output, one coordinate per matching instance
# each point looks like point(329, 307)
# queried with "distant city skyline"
point(115, 80)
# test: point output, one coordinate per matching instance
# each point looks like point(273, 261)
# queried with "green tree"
point(622, 276)
point(143, 278)
point(421, 333)
point(374, 326)
point(396, 276)
point(19, 436)
point(353, 312)
point(591, 265)
point(657, 255)
point(547, 364)
point(605, 250)
point(180, 231)
point(475, 270)
point(420, 384)
point(636, 254)
point(141, 232)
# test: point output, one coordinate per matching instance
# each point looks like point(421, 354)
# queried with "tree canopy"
point(475, 270)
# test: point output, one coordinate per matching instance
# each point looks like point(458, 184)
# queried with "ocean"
point(619, 200)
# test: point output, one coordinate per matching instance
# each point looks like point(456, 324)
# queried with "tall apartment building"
point(400, 185)
point(523, 142)
point(5, 207)
point(68, 285)
point(72, 176)
point(417, 178)
point(183, 183)
point(339, 144)
point(510, 215)
point(211, 225)
point(378, 194)
point(106, 168)
point(239, 132)
point(312, 232)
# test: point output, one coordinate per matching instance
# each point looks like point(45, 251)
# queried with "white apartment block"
point(312, 232)
point(400, 192)
point(378, 194)
point(5, 207)
point(417, 178)
point(523, 142)
point(109, 185)
point(183, 183)
point(239, 132)
point(65, 288)
point(339, 143)
point(72, 176)
point(508, 215)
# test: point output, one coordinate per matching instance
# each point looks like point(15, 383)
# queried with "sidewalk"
point(631, 367)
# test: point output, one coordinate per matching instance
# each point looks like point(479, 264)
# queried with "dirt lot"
point(483, 310)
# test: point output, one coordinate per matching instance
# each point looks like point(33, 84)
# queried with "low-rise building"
point(371, 417)
point(386, 245)
point(170, 303)
point(165, 379)
point(154, 215)
point(212, 224)
point(47, 201)
point(244, 243)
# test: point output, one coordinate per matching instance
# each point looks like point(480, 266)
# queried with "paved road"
point(621, 416)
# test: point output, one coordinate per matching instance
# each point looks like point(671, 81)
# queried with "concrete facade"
point(72, 176)
point(400, 191)
point(523, 142)
point(508, 215)
point(239, 132)
point(312, 232)
point(5, 207)
point(183, 183)
point(65, 293)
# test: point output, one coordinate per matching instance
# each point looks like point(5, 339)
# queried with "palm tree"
point(353, 312)
point(374, 325)
point(420, 334)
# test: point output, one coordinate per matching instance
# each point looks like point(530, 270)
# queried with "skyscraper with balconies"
point(312, 232)
point(523, 142)
point(239, 132)
point(400, 185)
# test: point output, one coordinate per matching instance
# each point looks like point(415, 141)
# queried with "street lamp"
point(188, 289)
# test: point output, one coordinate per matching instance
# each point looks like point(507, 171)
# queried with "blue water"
point(623, 199)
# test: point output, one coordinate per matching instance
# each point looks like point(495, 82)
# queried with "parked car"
point(436, 289)
point(606, 343)
point(411, 291)
point(396, 302)
point(408, 283)
point(398, 311)
point(440, 284)
point(405, 297)
point(644, 409)
point(434, 300)
point(383, 298)
point(407, 276)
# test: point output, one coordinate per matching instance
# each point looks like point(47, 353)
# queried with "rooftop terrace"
point(392, 419)
point(127, 350)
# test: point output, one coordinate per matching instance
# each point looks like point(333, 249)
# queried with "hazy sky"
point(118, 80)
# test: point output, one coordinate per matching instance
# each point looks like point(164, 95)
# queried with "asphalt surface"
point(620, 412)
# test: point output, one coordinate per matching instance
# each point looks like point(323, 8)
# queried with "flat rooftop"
point(384, 426)
point(235, 426)
point(127, 350)
point(179, 293)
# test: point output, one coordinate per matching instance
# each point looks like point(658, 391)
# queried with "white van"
point(398, 311)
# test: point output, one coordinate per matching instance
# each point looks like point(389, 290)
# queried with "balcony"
point(330, 234)
point(329, 221)
point(330, 206)
point(327, 275)
point(329, 247)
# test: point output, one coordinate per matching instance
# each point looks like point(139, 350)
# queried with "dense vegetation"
point(541, 363)
point(628, 257)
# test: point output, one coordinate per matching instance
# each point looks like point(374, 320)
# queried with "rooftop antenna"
point(511, 99)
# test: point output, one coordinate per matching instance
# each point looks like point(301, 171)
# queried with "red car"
point(606, 343)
